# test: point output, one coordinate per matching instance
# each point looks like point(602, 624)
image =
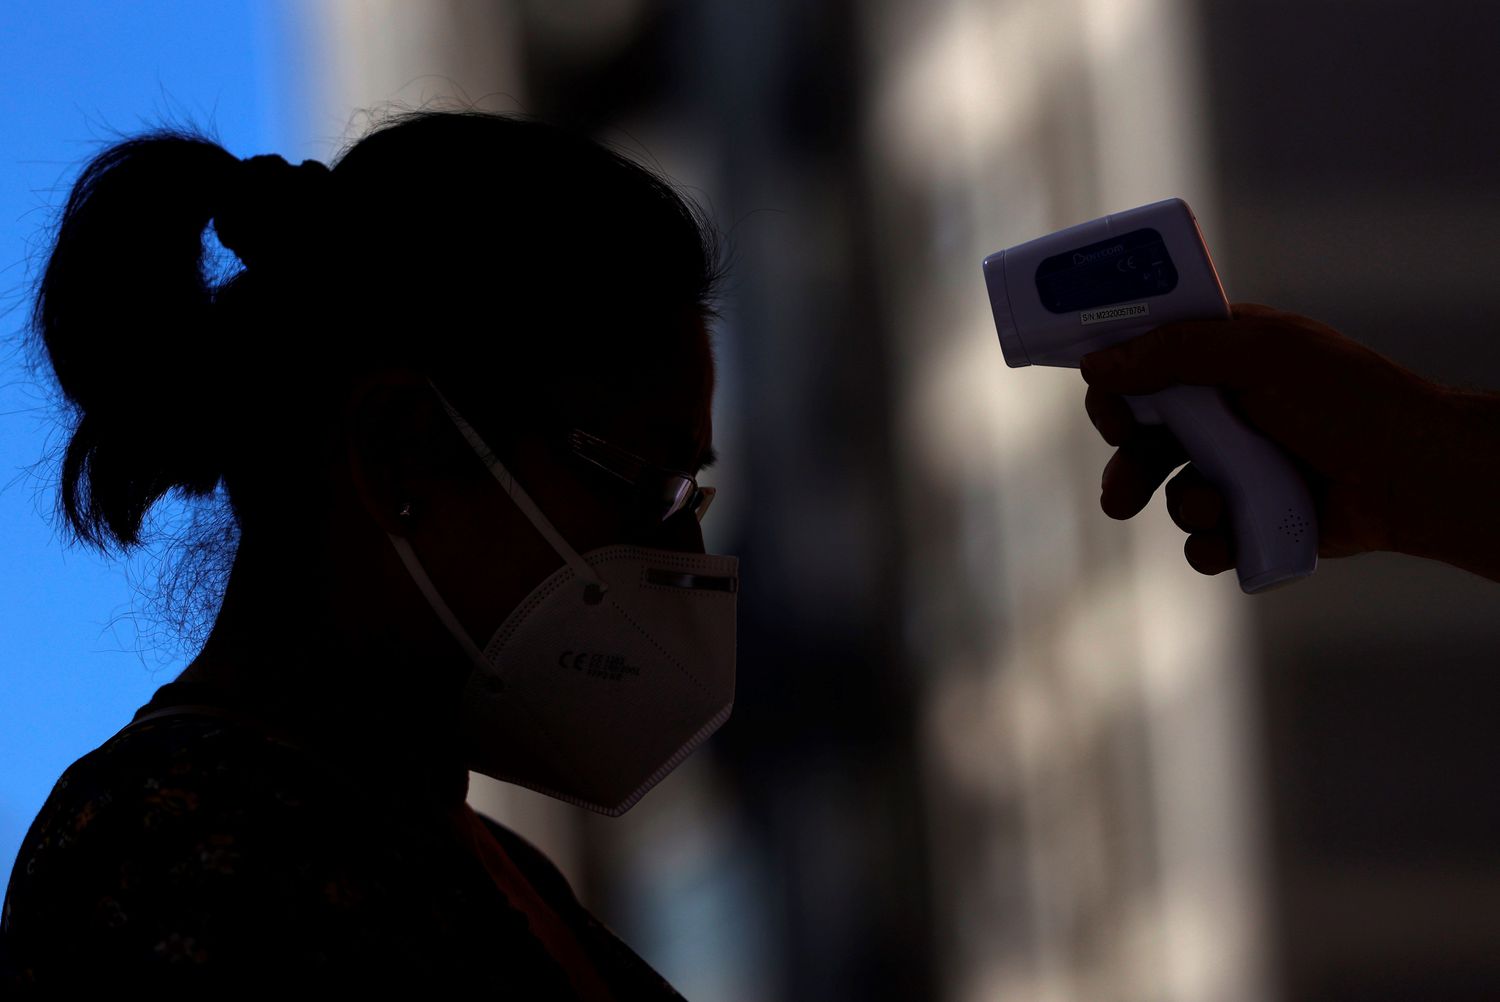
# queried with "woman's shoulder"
point(185, 783)
point(177, 776)
point(187, 840)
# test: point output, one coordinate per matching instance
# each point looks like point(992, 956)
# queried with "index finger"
point(1196, 352)
point(1110, 415)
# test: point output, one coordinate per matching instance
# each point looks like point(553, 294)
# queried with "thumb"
point(1200, 352)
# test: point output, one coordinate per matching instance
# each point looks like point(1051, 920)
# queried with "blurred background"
point(988, 744)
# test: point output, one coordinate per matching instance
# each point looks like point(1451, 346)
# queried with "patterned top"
point(195, 849)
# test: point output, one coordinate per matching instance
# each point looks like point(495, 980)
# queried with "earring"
point(405, 511)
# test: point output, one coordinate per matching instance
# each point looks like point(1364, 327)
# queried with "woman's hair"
point(514, 262)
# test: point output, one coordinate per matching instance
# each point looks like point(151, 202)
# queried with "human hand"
point(1357, 427)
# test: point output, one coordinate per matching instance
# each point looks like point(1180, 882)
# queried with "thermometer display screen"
point(1130, 267)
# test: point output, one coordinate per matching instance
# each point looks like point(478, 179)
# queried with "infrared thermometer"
point(1062, 296)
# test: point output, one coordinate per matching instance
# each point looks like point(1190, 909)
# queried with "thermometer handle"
point(1271, 512)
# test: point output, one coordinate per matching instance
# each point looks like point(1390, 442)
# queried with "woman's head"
point(531, 270)
point(541, 281)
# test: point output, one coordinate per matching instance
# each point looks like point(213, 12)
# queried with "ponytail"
point(125, 314)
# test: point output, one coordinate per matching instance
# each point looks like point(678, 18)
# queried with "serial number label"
point(1114, 313)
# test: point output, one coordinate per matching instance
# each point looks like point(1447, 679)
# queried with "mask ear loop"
point(596, 586)
point(424, 585)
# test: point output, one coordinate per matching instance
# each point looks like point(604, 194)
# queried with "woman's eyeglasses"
point(663, 493)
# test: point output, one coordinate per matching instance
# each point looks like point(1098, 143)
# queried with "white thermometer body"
point(1062, 296)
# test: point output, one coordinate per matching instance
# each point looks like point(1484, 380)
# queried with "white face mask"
point(607, 675)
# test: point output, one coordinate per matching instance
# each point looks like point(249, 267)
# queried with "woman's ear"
point(394, 430)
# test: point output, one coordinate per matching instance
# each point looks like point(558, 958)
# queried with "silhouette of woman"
point(457, 398)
